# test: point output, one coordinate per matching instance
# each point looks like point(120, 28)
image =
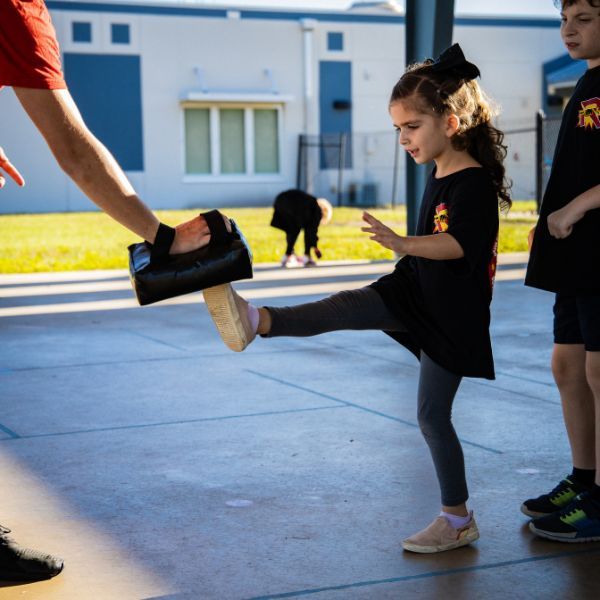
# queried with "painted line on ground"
point(12, 435)
point(428, 575)
point(161, 424)
point(211, 355)
point(468, 380)
point(360, 407)
point(529, 379)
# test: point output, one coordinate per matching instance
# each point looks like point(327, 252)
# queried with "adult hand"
point(560, 222)
point(383, 235)
point(9, 169)
point(193, 234)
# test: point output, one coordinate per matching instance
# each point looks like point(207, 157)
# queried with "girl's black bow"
point(453, 62)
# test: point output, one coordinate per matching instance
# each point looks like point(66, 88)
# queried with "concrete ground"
point(161, 465)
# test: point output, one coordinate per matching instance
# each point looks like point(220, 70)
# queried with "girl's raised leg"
point(239, 322)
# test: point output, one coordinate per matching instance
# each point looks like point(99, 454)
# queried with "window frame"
point(215, 176)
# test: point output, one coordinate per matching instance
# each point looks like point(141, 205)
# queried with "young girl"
point(436, 302)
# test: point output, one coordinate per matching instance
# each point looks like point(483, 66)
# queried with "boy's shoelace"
point(561, 489)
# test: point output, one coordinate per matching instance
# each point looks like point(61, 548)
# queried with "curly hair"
point(431, 92)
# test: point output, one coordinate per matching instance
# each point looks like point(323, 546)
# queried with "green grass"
point(81, 241)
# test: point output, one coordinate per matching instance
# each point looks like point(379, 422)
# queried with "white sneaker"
point(439, 536)
point(229, 311)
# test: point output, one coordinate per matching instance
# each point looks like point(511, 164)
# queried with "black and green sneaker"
point(562, 495)
point(23, 564)
point(578, 522)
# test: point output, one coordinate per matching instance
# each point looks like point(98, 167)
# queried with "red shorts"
point(29, 53)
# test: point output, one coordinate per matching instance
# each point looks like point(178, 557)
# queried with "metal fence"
point(361, 169)
point(547, 129)
point(368, 169)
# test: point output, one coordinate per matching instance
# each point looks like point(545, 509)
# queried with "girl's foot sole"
point(229, 312)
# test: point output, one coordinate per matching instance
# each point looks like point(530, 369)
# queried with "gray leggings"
point(364, 309)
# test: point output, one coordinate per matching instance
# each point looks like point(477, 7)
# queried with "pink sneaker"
point(440, 536)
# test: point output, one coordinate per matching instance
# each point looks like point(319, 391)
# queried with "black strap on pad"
point(162, 242)
point(216, 225)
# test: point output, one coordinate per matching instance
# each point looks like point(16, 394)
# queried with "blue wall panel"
point(335, 86)
point(107, 89)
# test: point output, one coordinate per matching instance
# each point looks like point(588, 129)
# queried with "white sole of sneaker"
point(465, 541)
point(561, 538)
point(533, 514)
point(226, 312)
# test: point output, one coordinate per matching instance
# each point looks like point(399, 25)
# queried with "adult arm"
point(95, 171)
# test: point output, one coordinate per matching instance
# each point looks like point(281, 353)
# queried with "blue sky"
point(537, 8)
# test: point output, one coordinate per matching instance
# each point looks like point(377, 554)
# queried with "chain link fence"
point(547, 129)
point(369, 169)
point(358, 169)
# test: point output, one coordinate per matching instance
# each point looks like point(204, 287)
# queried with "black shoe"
point(562, 495)
point(23, 564)
point(578, 522)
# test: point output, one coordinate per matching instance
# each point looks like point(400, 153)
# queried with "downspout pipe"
point(308, 26)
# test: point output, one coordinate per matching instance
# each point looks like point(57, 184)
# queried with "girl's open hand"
point(383, 235)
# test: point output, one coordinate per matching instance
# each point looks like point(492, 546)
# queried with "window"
point(232, 140)
point(81, 32)
point(266, 141)
point(197, 141)
point(231, 121)
point(335, 41)
point(119, 33)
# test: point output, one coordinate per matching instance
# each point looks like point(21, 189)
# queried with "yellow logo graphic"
point(440, 219)
point(589, 115)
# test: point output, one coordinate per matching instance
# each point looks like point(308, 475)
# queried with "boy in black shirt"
point(565, 258)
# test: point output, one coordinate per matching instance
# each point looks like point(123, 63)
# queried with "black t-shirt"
point(445, 304)
point(571, 265)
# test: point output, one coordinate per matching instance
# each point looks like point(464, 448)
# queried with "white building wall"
point(168, 71)
point(232, 54)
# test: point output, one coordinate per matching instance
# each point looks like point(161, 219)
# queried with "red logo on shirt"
point(440, 219)
point(589, 115)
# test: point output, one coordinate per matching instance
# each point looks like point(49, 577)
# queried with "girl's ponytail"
point(485, 143)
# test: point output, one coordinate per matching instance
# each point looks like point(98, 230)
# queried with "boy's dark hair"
point(562, 4)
